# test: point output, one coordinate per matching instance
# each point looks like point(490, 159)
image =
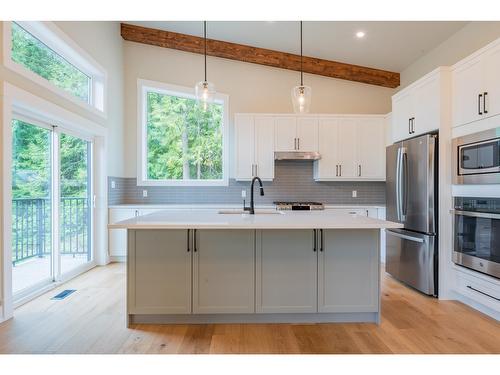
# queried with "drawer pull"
point(486, 294)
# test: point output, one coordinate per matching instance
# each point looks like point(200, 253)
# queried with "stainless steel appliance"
point(477, 158)
point(299, 206)
point(411, 196)
point(296, 155)
point(477, 234)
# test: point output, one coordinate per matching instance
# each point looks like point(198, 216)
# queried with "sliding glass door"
point(51, 205)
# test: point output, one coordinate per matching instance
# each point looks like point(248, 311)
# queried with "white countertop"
point(211, 219)
point(208, 206)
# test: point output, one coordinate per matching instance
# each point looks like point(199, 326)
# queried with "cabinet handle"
point(256, 169)
point(409, 125)
point(484, 103)
point(483, 293)
point(479, 104)
point(195, 249)
point(337, 170)
point(412, 125)
point(298, 143)
point(359, 170)
point(188, 242)
point(340, 170)
point(136, 213)
point(315, 240)
point(321, 240)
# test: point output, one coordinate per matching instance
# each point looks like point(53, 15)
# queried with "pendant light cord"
point(205, 38)
point(301, 70)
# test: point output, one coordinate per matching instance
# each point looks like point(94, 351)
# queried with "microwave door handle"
point(485, 215)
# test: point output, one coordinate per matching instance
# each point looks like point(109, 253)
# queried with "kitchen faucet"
point(251, 209)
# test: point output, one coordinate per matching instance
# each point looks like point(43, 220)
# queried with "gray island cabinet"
point(198, 266)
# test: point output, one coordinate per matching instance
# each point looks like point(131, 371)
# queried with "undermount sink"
point(257, 212)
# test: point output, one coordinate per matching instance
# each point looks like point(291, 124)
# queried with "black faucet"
point(251, 209)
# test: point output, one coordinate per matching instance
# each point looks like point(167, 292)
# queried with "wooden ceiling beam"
point(255, 55)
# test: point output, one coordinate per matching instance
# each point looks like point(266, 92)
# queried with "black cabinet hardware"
point(315, 240)
point(321, 240)
point(483, 293)
point(195, 249)
point(484, 103)
point(409, 125)
point(188, 242)
point(359, 170)
point(479, 104)
point(298, 143)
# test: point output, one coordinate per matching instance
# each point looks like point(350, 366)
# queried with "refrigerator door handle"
point(398, 185)
point(405, 237)
point(404, 184)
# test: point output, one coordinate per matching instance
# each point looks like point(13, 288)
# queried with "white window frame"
point(145, 86)
point(24, 105)
point(54, 38)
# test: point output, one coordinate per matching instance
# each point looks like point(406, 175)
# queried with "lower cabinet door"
point(286, 271)
point(224, 272)
point(159, 272)
point(348, 271)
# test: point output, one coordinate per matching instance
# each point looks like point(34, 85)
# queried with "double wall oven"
point(477, 234)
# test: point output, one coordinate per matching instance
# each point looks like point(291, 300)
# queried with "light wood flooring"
point(92, 320)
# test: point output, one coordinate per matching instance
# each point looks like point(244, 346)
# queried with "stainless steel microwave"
point(477, 158)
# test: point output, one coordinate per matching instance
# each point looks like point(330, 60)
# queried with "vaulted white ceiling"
point(387, 45)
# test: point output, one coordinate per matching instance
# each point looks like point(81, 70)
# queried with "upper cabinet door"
point(307, 134)
point(327, 166)
point(286, 134)
point(264, 146)
point(427, 108)
point(245, 158)
point(347, 148)
point(402, 111)
point(467, 86)
point(492, 82)
point(371, 148)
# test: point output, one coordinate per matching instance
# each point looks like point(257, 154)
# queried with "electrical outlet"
point(243, 193)
point(113, 184)
point(145, 193)
point(354, 193)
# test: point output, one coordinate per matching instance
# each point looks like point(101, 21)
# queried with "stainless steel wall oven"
point(477, 234)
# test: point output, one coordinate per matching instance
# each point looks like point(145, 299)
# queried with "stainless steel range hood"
point(296, 155)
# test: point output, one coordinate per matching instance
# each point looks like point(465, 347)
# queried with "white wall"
point(251, 88)
point(470, 38)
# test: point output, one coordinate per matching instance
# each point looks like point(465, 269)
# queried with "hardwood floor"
point(92, 320)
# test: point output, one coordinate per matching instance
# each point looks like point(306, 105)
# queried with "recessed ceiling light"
point(360, 34)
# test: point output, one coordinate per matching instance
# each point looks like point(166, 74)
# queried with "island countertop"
point(263, 219)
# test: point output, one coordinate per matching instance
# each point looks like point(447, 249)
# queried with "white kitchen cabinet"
point(340, 287)
point(351, 149)
point(371, 148)
point(476, 86)
point(159, 272)
point(286, 134)
point(307, 134)
point(296, 134)
point(286, 269)
point(417, 108)
point(327, 167)
point(254, 147)
point(223, 271)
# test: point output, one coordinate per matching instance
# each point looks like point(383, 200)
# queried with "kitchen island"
point(208, 266)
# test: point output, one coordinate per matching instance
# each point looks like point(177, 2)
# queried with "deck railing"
point(32, 227)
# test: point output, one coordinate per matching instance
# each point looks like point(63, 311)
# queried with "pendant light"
point(301, 95)
point(204, 90)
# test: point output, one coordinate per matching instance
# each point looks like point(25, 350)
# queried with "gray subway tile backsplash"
point(293, 181)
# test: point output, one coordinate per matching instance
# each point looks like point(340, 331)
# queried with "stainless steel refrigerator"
point(411, 196)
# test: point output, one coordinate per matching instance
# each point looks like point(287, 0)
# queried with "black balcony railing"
point(32, 227)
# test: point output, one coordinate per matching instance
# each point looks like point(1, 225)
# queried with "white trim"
point(16, 100)
point(58, 41)
point(144, 86)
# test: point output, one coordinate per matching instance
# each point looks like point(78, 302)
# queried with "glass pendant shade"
point(205, 93)
point(301, 99)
